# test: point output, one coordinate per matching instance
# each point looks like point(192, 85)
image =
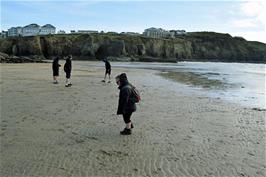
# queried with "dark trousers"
point(126, 117)
point(108, 71)
point(68, 74)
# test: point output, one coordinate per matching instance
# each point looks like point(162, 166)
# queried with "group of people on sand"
point(126, 102)
point(67, 69)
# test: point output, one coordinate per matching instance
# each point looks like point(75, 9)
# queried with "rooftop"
point(32, 25)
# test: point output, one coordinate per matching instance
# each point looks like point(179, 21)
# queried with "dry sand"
point(48, 130)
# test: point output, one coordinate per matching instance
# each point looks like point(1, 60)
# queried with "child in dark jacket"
point(107, 70)
point(55, 68)
point(126, 106)
point(67, 69)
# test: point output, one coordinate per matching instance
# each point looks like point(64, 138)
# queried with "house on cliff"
point(86, 31)
point(156, 32)
point(47, 29)
point(31, 30)
point(15, 31)
point(4, 34)
point(161, 33)
point(175, 33)
point(61, 32)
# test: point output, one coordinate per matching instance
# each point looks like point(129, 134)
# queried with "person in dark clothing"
point(126, 105)
point(55, 68)
point(107, 70)
point(67, 69)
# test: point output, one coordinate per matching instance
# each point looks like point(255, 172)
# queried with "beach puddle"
point(196, 80)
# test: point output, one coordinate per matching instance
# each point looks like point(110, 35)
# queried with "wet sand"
point(50, 130)
point(197, 80)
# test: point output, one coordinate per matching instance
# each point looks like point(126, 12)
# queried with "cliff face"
point(223, 47)
point(193, 46)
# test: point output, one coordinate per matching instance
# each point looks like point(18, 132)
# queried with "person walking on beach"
point(67, 69)
point(55, 68)
point(107, 70)
point(126, 105)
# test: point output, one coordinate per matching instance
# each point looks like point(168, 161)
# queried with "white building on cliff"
point(31, 30)
point(47, 29)
point(4, 34)
point(86, 31)
point(156, 32)
point(161, 33)
point(61, 32)
point(15, 31)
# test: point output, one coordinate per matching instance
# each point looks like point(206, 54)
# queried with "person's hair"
point(123, 77)
point(117, 77)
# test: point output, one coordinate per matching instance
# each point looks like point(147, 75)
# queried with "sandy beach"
point(49, 130)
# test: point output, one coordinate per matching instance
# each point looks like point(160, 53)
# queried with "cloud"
point(245, 23)
point(252, 15)
point(252, 9)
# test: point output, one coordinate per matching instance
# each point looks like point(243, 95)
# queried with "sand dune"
point(50, 130)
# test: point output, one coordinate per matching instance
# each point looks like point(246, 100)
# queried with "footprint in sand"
point(251, 154)
point(74, 133)
point(78, 141)
point(114, 153)
point(61, 130)
point(3, 128)
point(24, 118)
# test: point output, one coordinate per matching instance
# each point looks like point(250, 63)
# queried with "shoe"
point(126, 132)
point(103, 80)
point(67, 85)
point(70, 84)
point(55, 82)
point(109, 81)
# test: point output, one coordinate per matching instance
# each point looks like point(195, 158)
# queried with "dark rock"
point(114, 48)
point(4, 58)
point(141, 49)
point(258, 109)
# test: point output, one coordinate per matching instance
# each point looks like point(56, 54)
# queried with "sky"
point(236, 17)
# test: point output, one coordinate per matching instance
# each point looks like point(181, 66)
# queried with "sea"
point(242, 83)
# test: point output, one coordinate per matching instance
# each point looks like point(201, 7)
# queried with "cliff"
point(212, 46)
point(199, 46)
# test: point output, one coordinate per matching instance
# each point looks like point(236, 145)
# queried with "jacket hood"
point(68, 60)
point(123, 77)
point(56, 59)
point(123, 80)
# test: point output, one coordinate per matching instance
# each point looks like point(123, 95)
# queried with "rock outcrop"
point(201, 46)
point(5, 58)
